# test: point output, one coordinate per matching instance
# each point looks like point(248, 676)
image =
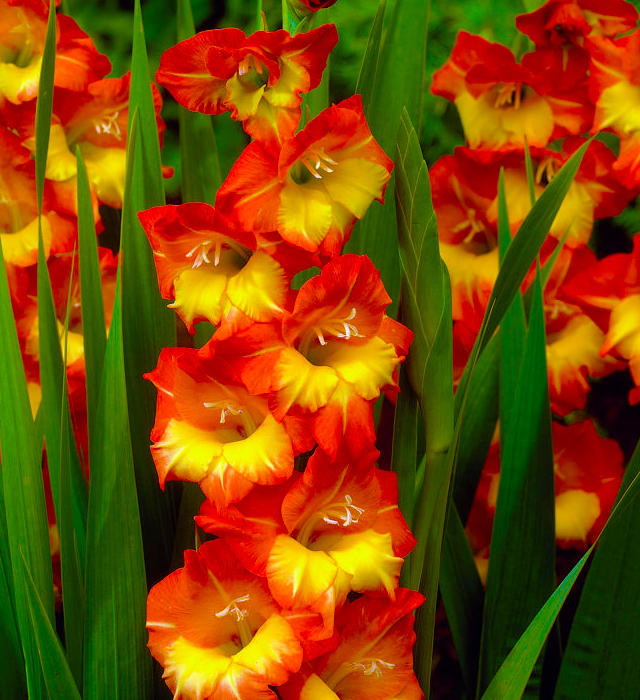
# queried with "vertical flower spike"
point(218, 633)
point(258, 79)
point(211, 430)
point(374, 660)
point(315, 188)
point(23, 25)
point(95, 120)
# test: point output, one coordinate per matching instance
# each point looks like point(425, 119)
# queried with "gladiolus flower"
point(335, 529)
point(315, 188)
point(374, 660)
point(258, 78)
point(23, 25)
point(560, 22)
point(217, 631)
point(19, 211)
point(500, 101)
point(217, 272)
point(211, 430)
point(328, 359)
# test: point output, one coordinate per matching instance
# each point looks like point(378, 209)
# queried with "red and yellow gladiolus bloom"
point(214, 271)
point(19, 210)
point(335, 529)
point(615, 90)
point(595, 192)
point(373, 660)
point(315, 187)
point(588, 474)
point(560, 22)
point(209, 429)
point(23, 25)
point(500, 101)
point(330, 357)
point(258, 78)
point(217, 631)
point(95, 121)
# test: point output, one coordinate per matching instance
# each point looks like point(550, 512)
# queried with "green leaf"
point(14, 683)
point(510, 681)
point(476, 427)
point(397, 84)
point(199, 163)
point(54, 405)
point(525, 507)
point(520, 256)
point(600, 659)
point(93, 319)
point(369, 66)
point(57, 675)
point(463, 597)
point(116, 662)
point(147, 324)
point(426, 310)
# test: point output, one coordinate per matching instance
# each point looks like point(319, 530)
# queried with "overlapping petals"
point(258, 79)
point(214, 271)
point(500, 101)
point(319, 536)
point(23, 25)
point(217, 631)
point(209, 429)
point(329, 358)
point(316, 186)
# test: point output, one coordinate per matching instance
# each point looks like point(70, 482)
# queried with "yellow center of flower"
point(252, 73)
point(343, 513)
point(314, 163)
point(24, 39)
point(224, 250)
point(341, 327)
point(509, 95)
point(238, 423)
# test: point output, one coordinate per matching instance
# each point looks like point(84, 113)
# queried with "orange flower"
point(335, 529)
point(313, 189)
point(218, 633)
point(23, 24)
point(258, 78)
point(211, 430)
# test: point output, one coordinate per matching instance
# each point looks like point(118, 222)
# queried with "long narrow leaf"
point(398, 84)
point(369, 66)
point(525, 507)
point(93, 318)
point(600, 659)
point(116, 662)
point(147, 324)
point(57, 675)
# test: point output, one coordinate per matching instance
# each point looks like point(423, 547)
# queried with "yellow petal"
point(576, 512)
point(19, 84)
point(316, 689)
point(265, 456)
point(199, 294)
point(299, 382)
point(259, 290)
point(367, 367)
point(368, 557)
point(624, 328)
point(106, 168)
point(245, 101)
point(21, 247)
point(273, 653)
point(304, 215)
point(61, 163)
point(355, 183)
point(298, 576)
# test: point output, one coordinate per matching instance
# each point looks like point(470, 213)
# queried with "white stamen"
point(233, 609)
point(373, 667)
